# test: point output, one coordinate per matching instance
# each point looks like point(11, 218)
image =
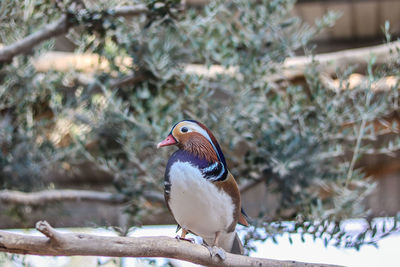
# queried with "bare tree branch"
point(128, 11)
point(154, 196)
point(331, 62)
point(68, 244)
point(293, 67)
point(47, 196)
point(61, 26)
point(26, 44)
point(43, 197)
point(130, 79)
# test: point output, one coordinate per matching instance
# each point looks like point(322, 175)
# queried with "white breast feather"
point(197, 204)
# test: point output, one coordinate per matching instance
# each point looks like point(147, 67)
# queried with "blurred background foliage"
point(302, 141)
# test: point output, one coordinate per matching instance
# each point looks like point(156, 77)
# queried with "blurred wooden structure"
point(360, 25)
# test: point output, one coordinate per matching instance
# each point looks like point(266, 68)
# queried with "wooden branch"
point(43, 197)
point(69, 244)
point(64, 61)
point(356, 80)
point(154, 196)
point(130, 79)
point(293, 67)
point(47, 196)
point(130, 11)
point(61, 26)
point(26, 44)
point(330, 62)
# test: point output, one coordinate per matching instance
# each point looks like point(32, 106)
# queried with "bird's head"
point(195, 138)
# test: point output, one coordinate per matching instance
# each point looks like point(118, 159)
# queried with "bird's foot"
point(216, 251)
point(191, 240)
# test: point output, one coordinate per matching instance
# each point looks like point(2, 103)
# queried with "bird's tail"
point(237, 246)
point(230, 242)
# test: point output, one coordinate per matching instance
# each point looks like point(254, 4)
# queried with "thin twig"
point(357, 148)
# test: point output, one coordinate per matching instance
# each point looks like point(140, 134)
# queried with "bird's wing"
point(230, 186)
point(243, 218)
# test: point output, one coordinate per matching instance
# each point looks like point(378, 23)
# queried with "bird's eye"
point(184, 129)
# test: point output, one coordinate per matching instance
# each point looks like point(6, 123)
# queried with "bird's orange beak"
point(170, 140)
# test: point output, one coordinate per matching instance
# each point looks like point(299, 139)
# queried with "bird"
point(200, 191)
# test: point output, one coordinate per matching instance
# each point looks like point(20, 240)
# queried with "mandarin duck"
point(199, 190)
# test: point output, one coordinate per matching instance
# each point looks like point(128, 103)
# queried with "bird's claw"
point(216, 251)
point(191, 240)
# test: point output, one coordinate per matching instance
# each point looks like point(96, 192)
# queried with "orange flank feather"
point(230, 186)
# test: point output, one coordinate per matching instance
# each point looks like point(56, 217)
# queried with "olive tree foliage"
point(298, 140)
